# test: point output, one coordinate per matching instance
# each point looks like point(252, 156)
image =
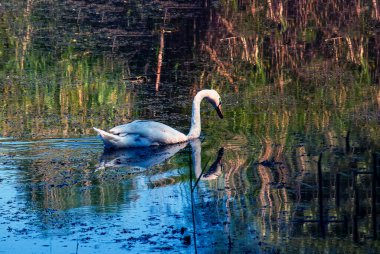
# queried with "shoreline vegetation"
point(300, 87)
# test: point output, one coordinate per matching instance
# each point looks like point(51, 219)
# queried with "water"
point(293, 166)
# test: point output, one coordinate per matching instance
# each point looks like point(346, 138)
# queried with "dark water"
point(293, 166)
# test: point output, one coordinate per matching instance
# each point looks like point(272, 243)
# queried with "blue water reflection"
point(99, 202)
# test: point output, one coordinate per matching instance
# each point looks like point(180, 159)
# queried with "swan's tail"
point(109, 140)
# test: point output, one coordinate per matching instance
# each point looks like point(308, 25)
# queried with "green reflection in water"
point(295, 84)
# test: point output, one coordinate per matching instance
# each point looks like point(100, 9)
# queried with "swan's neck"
point(195, 129)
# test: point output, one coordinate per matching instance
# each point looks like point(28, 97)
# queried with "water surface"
point(293, 166)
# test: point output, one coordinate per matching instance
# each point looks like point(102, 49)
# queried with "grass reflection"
point(298, 79)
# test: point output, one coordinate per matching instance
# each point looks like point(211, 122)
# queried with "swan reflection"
point(139, 158)
point(144, 158)
point(216, 168)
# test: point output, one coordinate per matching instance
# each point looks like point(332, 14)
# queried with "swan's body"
point(142, 133)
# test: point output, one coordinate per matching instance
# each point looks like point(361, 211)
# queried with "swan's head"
point(214, 98)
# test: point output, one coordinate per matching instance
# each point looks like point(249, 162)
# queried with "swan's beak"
point(219, 110)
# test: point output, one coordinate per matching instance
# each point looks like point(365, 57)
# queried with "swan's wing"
point(154, 131)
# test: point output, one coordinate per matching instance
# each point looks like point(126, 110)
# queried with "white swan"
point(142, 133)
